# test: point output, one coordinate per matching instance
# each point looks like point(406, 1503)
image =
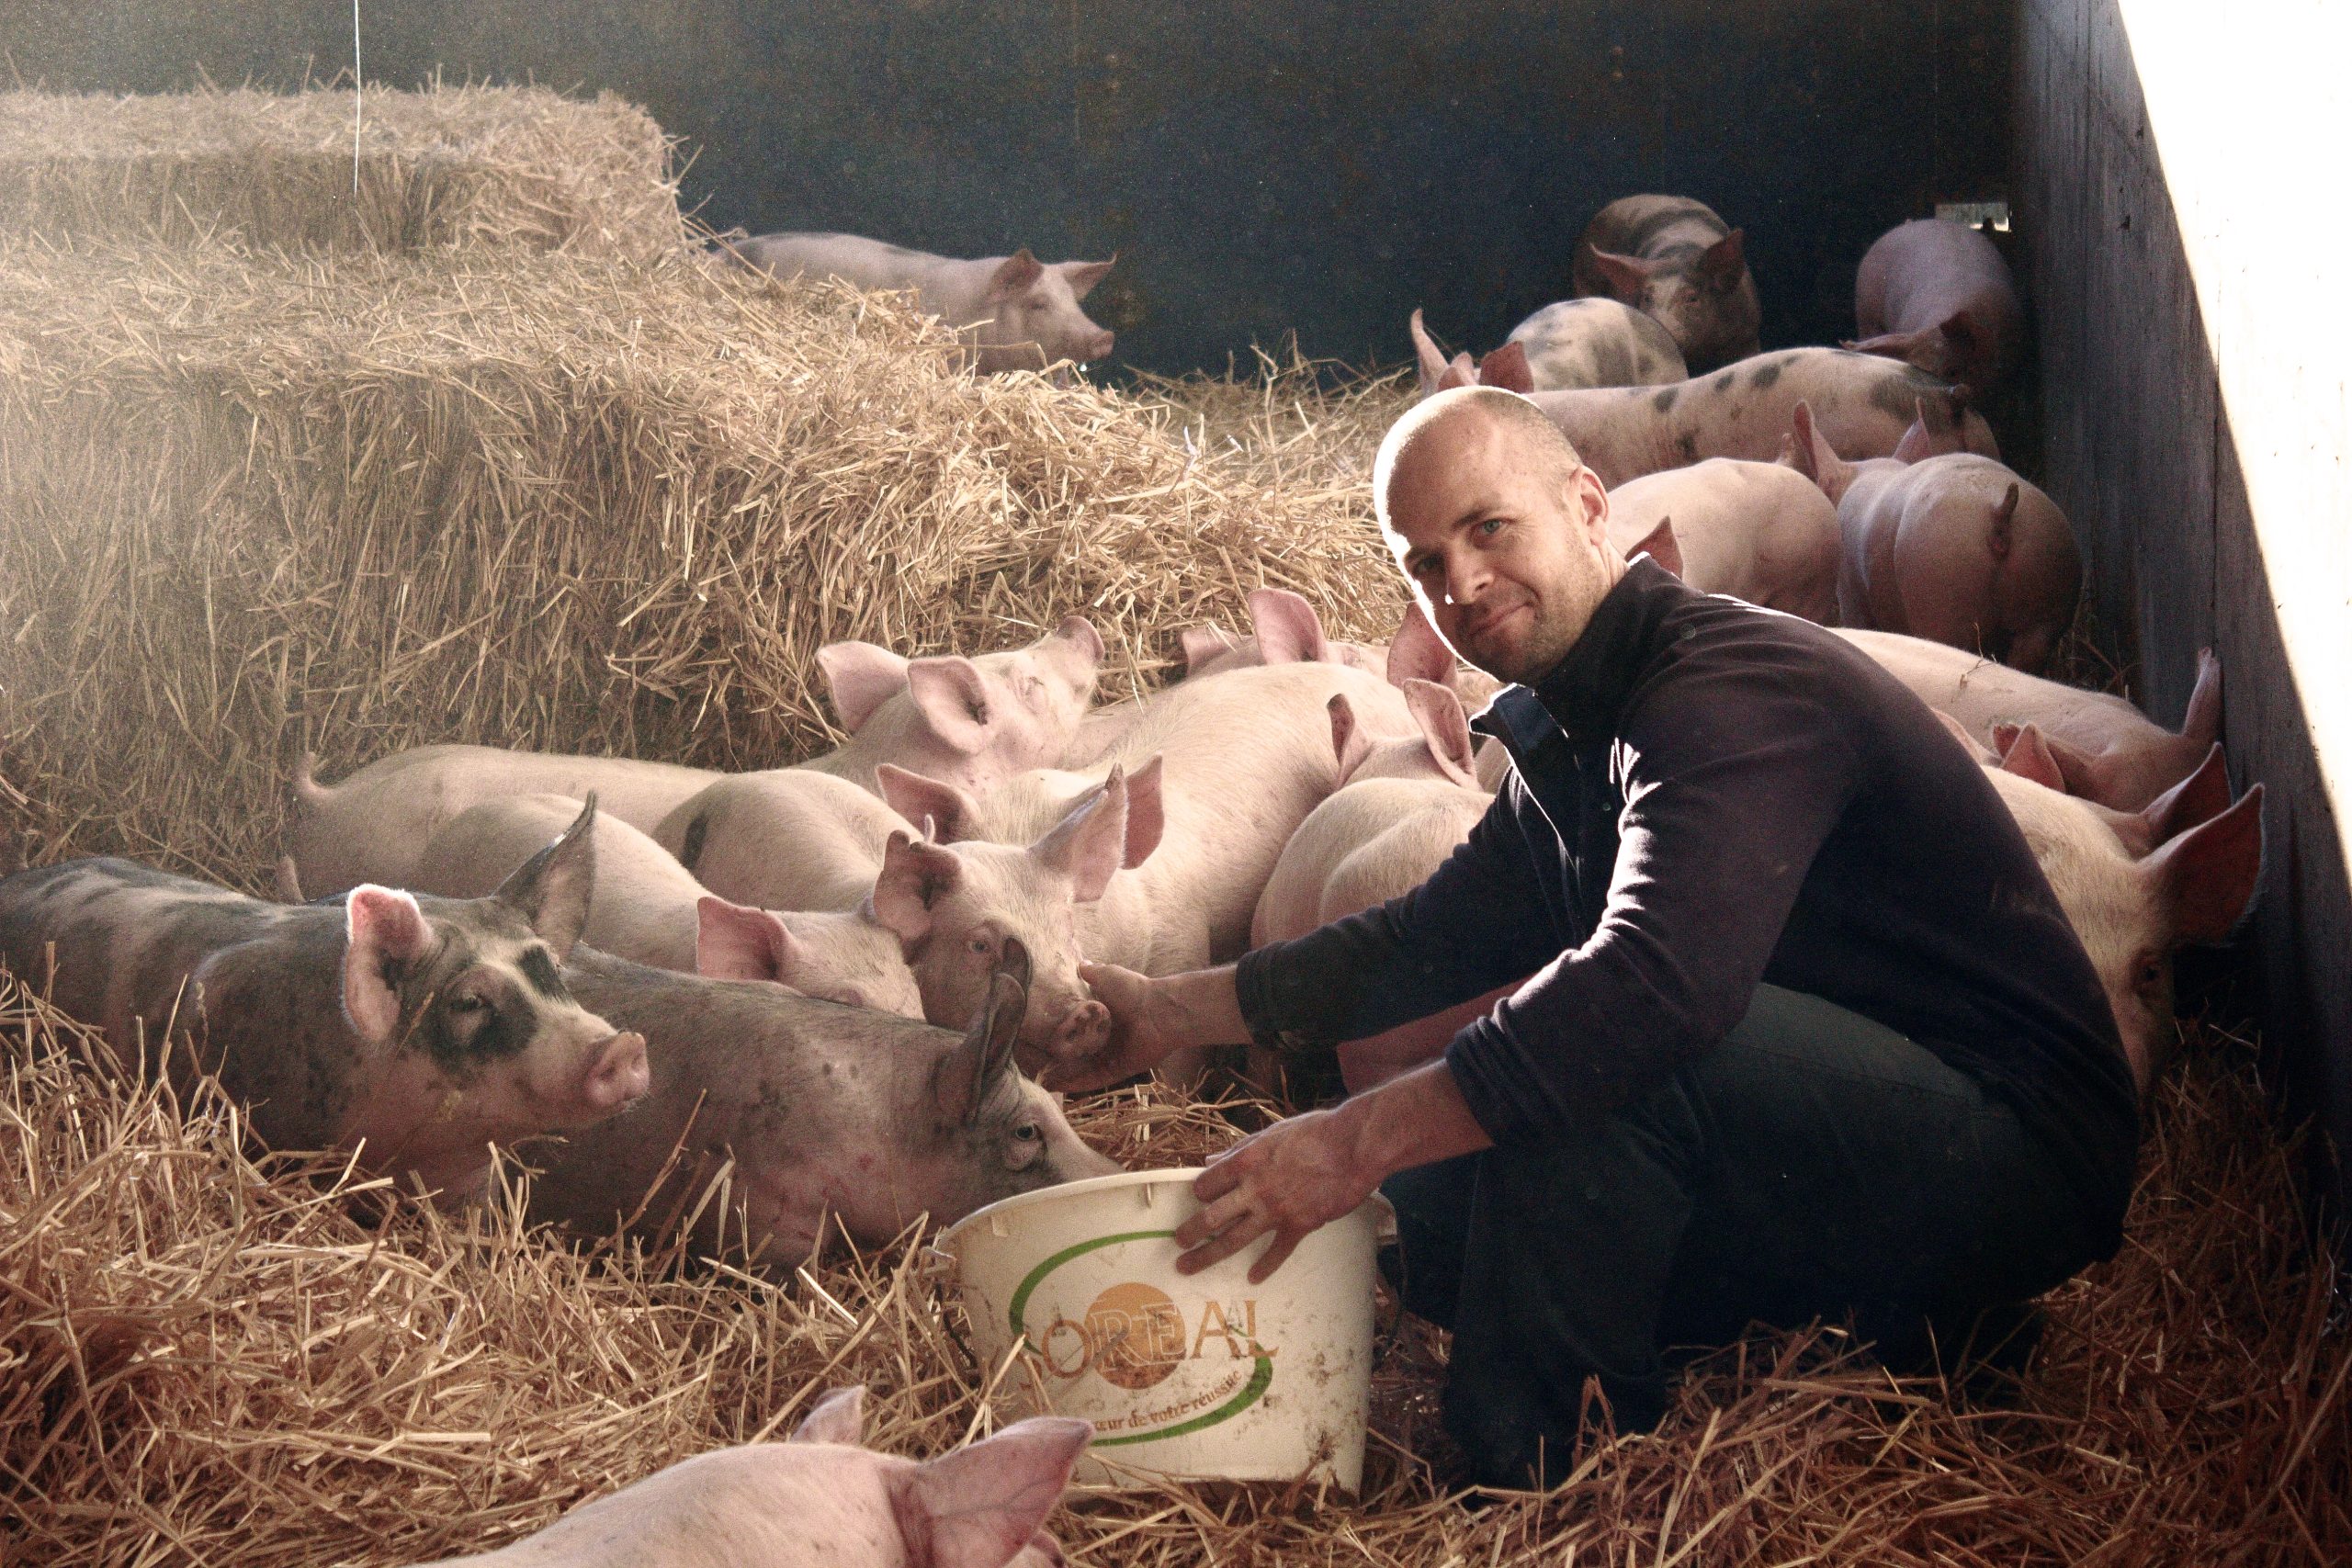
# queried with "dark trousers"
point(1814, 1164)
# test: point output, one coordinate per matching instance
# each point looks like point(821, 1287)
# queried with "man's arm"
point(1726, 805)
point(1312, 1169)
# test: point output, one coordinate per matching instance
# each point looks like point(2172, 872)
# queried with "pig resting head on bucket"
point(823, 1499)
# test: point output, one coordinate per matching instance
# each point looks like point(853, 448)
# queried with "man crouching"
point(1807, 1035)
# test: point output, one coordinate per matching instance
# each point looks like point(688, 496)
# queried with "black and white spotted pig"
point(1673, 259)
point(417, 1030)
point(812, 1110)
point(1623, 433)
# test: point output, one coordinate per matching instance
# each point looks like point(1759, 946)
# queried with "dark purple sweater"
point(1706, 794)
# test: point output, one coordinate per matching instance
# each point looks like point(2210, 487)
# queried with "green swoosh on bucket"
point(1261, 1376)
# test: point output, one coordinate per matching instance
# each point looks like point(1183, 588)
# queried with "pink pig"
point(1951, 546)
point(1937, 295)
point(822, 1499)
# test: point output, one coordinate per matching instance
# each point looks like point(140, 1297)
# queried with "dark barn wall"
point(2141, 450)
point(1260, 166)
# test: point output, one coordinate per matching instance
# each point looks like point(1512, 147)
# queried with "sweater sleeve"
point(1730, 790)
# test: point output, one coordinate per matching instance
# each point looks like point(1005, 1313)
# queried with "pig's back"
point(853, 258)
point(1980, 694)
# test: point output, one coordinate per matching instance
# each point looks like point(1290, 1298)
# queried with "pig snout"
point(1095, 348)
point(619, 1073)
point(1084, 1030)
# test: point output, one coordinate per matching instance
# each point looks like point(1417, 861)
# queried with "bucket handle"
point(935, 1265)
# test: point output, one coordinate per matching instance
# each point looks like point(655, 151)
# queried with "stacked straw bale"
point(519, 166)
point(204, 1361)
point(555, 500)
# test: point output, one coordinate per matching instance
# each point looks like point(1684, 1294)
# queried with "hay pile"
point(518, 166)
point(201, 1360)
point(551, 500)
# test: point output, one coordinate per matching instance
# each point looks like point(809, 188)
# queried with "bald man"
point(1807, 1035)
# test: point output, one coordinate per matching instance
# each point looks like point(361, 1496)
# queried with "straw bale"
point(506, 167)
point(207, 1360)
point(556, 501)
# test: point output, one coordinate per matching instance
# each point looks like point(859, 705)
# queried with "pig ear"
point(959, 1083)
point(1722, 263)
point(1289, 631)
point(954, 700)
point(2029, 757)
point(1090, 843)
point(1623, 277)
point(552, 889)
point(1416, 652)
point(2207, 877)
point(1507, 367)
point(2195, 800)
point(979, 1507)
point(1146, 815)
point(384, 933)
point(1957, 329)
point(1443, 725)
point(2001, 537)
point(914, 876)
point(734, 942)
point(1082, 631)
point(1660, 545)
point(1349, 745)
point(954, 815)
point(2202, 723)
point(1427, 357)
point(1975, 748)
point(1815, 458)
point(838, 1417)
point(1014, 274)
point(1082, 276)
point(1918, 440)
point(862, 677)
point(1204, 642)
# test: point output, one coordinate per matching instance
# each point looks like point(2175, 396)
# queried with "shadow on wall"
point(2141, 453)
point(1260, 168)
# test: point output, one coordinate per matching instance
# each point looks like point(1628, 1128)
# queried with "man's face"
point(1507, 556)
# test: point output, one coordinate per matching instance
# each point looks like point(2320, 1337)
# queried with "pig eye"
point(465, 1003)
point(983, 946)
point(1028, 1131)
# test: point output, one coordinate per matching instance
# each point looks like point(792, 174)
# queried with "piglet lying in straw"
point(809, 1111)
point(417, 1030)
point(822, 1499)
point(973, 721)
point(648, 909)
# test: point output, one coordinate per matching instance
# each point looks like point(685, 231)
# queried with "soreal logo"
point(1134, 1336)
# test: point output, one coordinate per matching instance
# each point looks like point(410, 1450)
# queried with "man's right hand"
point(1150, 1018)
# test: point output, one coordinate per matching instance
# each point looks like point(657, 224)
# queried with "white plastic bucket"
point(1202, 1376)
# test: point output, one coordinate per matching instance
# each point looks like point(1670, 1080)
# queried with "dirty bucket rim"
point(1184, 1174)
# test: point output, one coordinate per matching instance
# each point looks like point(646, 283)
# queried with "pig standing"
point(419, 1031)
point(1674, 259)
point(2134, 914)
point(1950, 546)
point(821, 1111)
point(649, 909)
point(972, 720)
point(1755, 531)
point(821, 1499)
point(1937, 295)
point(2113, 753)
point(1015, 313)
point(1863, 403)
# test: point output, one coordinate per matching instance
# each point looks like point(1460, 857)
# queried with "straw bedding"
point(599, 500)
point(459, 165)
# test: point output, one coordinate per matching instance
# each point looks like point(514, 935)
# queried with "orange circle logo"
point(1136, 1334)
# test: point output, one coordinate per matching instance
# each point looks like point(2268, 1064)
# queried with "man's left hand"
point(1294, 1177)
